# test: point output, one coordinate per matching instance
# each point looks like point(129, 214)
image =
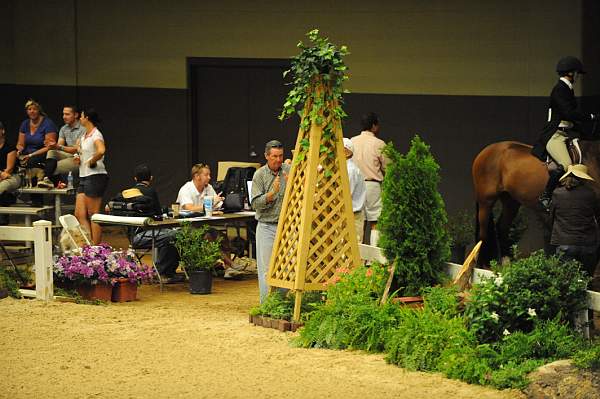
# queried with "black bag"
point(234, 202)
point(235, 187)
point(126, 205)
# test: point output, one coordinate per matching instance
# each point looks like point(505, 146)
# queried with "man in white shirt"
point(191, 194)
point(358, 189)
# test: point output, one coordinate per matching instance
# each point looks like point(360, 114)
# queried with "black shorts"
point(93, 185)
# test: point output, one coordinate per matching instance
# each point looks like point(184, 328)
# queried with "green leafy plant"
point(442, 300)
point(195, 250)
point(589, 357)
point(461, 228)
point(413, 218)
point(530, 289)
point(280, 305)
point(318, 73)
point(422, 336)
point(352, 316)
point(8, 283)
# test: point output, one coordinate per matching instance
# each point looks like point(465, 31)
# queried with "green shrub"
point(352, 316)
point(461, 227)
point(9, 283)
point(442, 300)
point(588, 358)
point(413, 218)
point(549, 340)
point(422, 336)
point(530, 289)
point(359, 326)
point(280, 305)
point(472, 364)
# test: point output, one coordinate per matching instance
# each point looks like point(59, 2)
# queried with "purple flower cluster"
point(101, 263)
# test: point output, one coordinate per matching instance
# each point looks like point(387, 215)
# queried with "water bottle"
point(70, 181)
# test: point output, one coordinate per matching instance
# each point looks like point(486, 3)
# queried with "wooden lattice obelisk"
point(316, 233)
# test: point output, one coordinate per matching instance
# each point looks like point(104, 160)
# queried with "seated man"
point(191, 194)
point(191, 198)
point(167, 257)
point(60, 158)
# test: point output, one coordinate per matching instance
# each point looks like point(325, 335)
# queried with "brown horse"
point(507, 171)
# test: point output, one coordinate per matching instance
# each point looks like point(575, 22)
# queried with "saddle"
point(574, 152)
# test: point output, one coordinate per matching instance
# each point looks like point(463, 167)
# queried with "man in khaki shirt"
point(371, 162)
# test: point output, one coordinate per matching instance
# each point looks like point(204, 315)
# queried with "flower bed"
point(507, 327)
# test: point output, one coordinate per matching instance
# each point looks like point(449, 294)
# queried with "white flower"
point(495, 316)
point(498, 280)
point(506, 332)
point(531, 312)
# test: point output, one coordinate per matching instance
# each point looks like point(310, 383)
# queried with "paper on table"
point(129, 220)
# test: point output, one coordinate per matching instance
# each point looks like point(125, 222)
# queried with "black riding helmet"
point(569, 64)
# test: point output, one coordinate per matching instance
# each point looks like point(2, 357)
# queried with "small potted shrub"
point(199, 256)
point(461, 232)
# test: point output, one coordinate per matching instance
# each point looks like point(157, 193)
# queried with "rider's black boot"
point(546, 197)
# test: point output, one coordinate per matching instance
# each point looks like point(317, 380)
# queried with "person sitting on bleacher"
point(60, 158)
point(167, 257)
point(36, 134)
point(9, 181)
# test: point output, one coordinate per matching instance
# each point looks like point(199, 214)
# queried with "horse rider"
point(564, 120)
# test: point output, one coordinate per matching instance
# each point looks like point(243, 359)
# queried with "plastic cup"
point(175, 209)
point(208, 205)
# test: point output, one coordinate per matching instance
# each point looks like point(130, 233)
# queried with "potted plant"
point(199, 256)
point(461, 231)
point(126, 275)
point(97, 269)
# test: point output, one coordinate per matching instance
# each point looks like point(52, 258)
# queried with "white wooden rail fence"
point(41, 235)
point(371, 253)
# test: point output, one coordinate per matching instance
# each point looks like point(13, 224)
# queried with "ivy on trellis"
point(323, 62)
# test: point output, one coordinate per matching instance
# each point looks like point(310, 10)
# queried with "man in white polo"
point(191, 194)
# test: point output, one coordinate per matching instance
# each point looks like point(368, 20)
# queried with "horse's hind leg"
point(510, 208)
point(487, 231)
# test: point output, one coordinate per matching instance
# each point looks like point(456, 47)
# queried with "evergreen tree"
point(413, 218)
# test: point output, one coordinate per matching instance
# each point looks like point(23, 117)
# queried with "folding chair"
point(76, 235)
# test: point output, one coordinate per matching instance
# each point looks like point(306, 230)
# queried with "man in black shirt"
point(167, 257)
point(574, 212)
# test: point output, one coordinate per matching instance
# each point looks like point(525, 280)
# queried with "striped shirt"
point(267, 212)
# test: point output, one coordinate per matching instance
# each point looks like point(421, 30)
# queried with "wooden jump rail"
point(371, 253)
point(41, 235)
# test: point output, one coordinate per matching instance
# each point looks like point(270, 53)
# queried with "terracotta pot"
point(124, 290)
point(101, 291)
point(410, 301)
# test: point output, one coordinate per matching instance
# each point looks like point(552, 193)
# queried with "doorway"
point(234, 105)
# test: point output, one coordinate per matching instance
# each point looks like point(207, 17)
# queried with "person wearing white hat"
point(358, 189)
point(575, 213)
